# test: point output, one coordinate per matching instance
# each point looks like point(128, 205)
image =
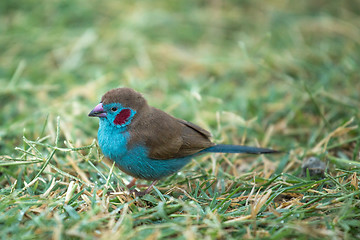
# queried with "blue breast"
point(112, 140)
point(134, 161)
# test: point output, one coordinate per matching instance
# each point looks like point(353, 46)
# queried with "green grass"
point(280, 74)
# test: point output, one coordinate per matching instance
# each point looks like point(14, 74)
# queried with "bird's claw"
point(137, 193)
point(142, 193)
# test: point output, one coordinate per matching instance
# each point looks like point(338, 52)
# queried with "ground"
point(277, 74)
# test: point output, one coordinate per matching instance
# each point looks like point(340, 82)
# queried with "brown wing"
point(167, 137)
point(195, 127)
point(194, 138)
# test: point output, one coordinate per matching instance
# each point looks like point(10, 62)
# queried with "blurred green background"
point(281, 74)
point(193, 58)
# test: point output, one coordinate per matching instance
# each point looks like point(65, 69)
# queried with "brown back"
point(167, 137)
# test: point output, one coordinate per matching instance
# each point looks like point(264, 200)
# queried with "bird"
point(148, 143)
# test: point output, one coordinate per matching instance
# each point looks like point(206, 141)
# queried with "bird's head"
point(119, 106)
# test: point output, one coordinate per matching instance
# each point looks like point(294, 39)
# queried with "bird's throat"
point(112, 140)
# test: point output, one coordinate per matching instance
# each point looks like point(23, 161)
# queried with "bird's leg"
point(142, 193)
point(148, 190)
point(132, 183)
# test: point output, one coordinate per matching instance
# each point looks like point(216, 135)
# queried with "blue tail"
point(224, 148)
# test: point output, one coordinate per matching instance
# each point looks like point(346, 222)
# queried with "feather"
point(224, 148)
point(167, 137)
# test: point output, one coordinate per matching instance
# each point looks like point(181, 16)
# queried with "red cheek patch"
point(122, 117)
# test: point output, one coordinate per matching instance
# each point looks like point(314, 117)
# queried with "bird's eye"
point(114, 109)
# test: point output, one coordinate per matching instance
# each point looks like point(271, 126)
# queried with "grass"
point(279, 74)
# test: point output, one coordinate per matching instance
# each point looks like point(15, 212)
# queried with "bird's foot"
point(142, 193)
point(137, 193)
